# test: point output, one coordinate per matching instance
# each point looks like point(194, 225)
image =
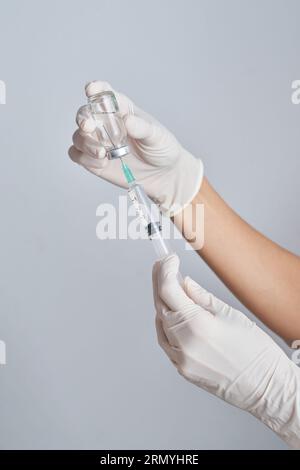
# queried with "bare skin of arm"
point(262, 275)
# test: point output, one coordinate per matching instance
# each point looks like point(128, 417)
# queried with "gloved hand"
point(170, 175)
point(220, 350)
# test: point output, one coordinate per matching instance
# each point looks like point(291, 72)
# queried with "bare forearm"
point(264, 276)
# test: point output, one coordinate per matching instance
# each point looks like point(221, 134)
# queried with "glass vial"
point(110, 127)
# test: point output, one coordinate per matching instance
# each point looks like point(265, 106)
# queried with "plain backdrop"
point(83, 366)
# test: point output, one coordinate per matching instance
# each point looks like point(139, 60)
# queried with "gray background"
point(83, 366)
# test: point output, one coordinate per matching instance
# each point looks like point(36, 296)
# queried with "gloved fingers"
point(174, 306)
point(160, 306)
point(86, 143)
point(171, 351)
point(164, 317)
point(138, 128)
point(169, 289)
point(85, 120)
point(168, 317)
point(88, 162)
point(213, 305)
point(204, 299)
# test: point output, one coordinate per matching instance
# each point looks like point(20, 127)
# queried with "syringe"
point(112, 134)
point(145, 212)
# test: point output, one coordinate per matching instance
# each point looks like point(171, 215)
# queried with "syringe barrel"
point(145, 210)
point(161, 246)
point(148, 214)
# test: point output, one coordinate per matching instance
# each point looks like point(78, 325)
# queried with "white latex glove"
point(220, 350)
point(171, 176)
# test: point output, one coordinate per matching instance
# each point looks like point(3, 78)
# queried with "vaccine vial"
point(110, 127)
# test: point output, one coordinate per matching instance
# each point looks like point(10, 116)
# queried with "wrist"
point(190, 219)
point(279, 406)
